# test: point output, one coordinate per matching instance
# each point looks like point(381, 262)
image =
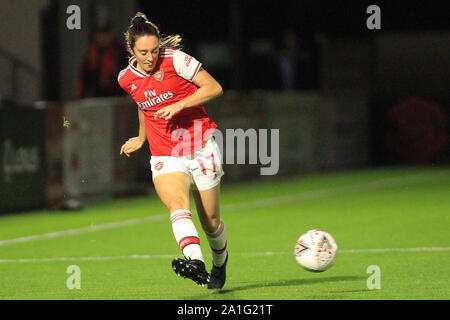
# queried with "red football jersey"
point(169, 82)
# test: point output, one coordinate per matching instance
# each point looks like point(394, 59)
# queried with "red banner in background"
point(417, 130)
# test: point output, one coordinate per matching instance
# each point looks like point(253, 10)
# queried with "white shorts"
point(204, 167)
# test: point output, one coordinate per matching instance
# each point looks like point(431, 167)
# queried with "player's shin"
point(218, 243)
point(186, 234)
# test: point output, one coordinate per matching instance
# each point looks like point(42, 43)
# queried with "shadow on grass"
point(282, 283)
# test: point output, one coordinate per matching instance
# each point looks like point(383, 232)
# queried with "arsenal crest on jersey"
point(159, 75)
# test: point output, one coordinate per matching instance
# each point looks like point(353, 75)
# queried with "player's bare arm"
point(135, 143)
point(208, 89)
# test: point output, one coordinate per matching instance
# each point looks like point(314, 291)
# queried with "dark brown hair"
point(141, 26)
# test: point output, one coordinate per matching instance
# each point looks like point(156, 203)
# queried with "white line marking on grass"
point(344, 251)
point(246, 254)
point(105, 226)
point(59, 259)
point(391, 182)
point(394, 250)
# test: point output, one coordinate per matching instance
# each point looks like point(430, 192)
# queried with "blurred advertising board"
point(22, 164)
point(83, 140)
point(87, 148)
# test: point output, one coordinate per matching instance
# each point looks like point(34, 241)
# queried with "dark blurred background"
point(343, 96)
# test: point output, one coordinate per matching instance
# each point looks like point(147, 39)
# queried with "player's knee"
point(177, 204)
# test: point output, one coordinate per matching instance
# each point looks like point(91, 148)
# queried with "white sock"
point(186, 234)
point(218, 243)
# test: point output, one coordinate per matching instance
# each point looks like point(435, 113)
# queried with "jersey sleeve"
point(122, 82)
point(186, 66)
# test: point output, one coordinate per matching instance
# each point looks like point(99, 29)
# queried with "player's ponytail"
point(171, 41)
point(141, 26)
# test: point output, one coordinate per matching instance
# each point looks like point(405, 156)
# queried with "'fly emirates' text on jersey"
point(169, 82)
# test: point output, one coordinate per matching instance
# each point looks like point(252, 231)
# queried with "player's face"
point(146, 50)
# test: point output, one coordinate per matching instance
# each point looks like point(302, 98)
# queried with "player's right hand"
point(131, 145)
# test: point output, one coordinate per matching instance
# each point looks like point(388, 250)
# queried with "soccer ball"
point(316, 250)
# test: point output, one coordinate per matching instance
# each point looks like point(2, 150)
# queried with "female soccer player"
point(170, 88)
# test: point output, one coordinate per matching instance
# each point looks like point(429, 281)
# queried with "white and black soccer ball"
point(316, 250)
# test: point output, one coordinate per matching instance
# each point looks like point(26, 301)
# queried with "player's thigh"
point(206, 167)
point(173, 189)
point(207, 203)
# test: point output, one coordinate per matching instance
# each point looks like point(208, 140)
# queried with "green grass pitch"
point(394, 218)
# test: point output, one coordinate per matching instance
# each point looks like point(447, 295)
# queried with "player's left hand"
point(169, 111)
